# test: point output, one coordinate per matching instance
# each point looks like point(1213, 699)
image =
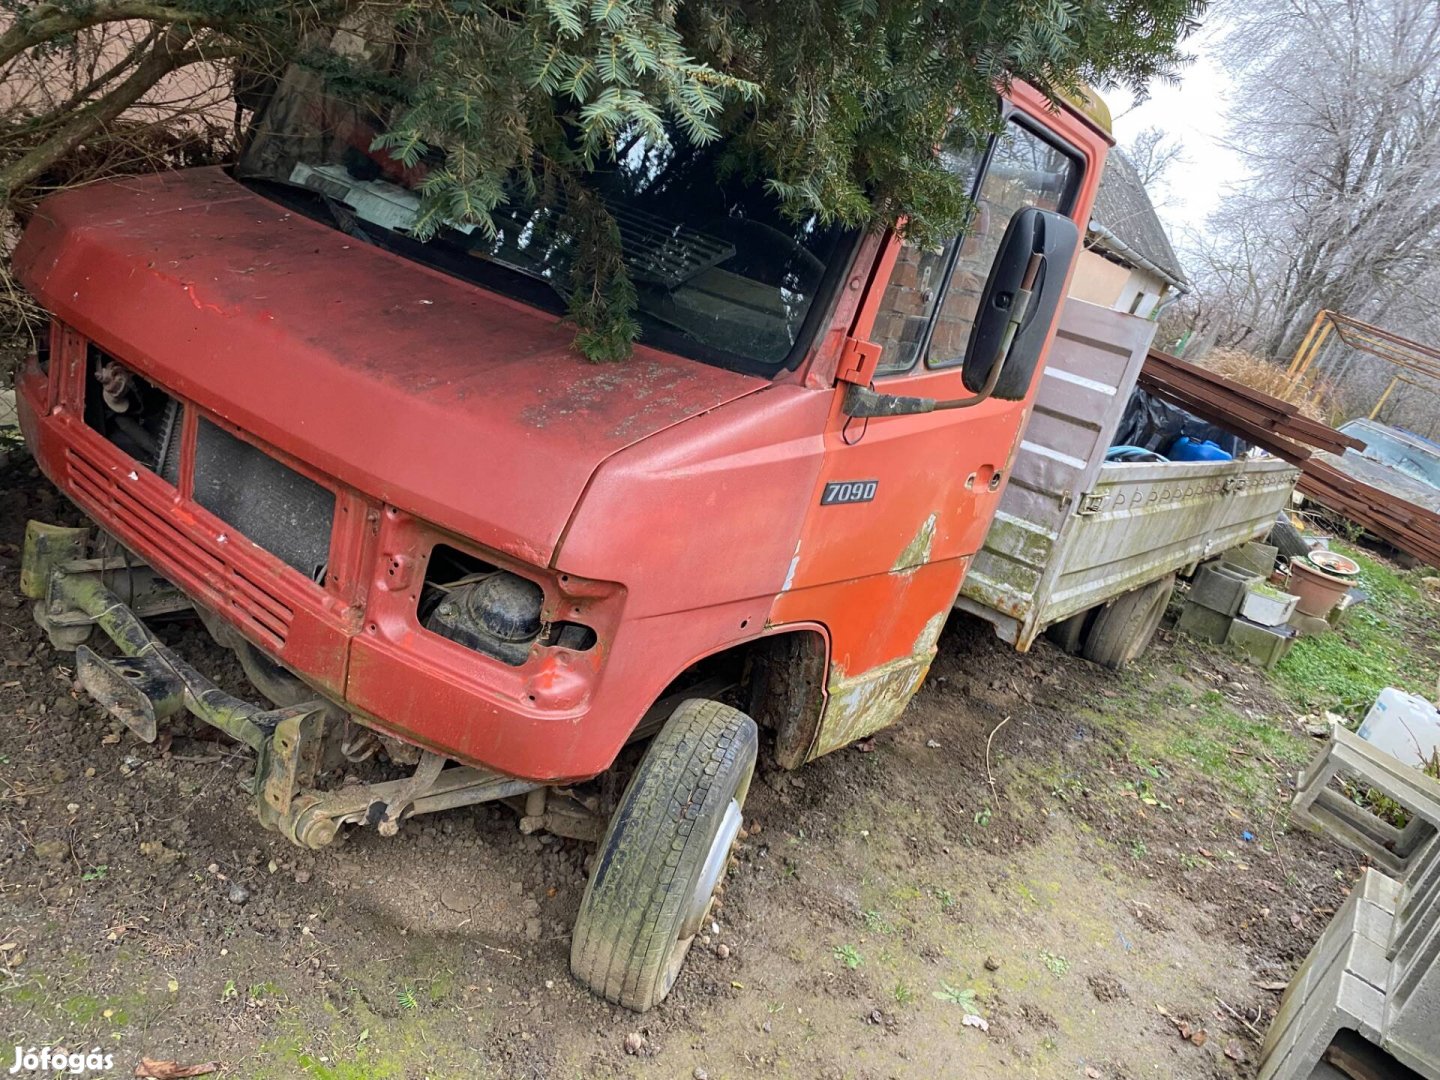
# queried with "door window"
point(1023, 170)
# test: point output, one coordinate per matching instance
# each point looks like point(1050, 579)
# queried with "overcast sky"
point(1193, 113)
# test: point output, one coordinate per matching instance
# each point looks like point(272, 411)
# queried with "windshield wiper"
point(344, 218)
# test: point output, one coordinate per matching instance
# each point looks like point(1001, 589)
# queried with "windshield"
point(1416, 462)
point(720, 273)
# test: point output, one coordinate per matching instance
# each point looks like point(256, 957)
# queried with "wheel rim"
point(712, 870)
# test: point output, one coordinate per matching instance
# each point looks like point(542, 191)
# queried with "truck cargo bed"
point(1074, 531)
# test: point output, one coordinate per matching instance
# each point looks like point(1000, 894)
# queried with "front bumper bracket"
point(149, 682)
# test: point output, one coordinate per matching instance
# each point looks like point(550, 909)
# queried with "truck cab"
point(437, 536)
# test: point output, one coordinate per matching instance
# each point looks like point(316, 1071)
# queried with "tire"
point(1069, 634)
point(1122, 631)
point(664, 852)
point(1288, 539)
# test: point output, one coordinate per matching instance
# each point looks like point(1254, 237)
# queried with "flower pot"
point(1267, 610)
point(1332, 562)
point(1318, 591)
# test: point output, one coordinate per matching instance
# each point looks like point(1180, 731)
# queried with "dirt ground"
point(1096, 864)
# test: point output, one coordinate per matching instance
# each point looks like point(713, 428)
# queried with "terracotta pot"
point(1319, 592)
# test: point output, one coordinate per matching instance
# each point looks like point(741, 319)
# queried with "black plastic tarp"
point(1154, 424)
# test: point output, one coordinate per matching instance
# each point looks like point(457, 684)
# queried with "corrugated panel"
point(1087, 380)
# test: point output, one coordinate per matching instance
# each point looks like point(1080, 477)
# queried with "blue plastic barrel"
point(1188, 449)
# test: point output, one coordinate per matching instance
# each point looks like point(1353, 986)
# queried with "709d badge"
point(848, 491)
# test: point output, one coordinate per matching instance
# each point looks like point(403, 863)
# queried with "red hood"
point(467, 409)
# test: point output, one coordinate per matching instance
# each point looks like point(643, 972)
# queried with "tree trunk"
point(166, 55)
point(52, 21)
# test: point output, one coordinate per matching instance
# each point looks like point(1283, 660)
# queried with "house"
point(1128, 263)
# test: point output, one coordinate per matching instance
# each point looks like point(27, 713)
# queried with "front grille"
point(287, 514)
point(146, 527)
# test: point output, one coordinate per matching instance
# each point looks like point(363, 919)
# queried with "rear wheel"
point(1069, 634)
point(663, 855)
point(1122, 631)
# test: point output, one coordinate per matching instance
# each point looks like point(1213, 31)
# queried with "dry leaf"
point(1092, 1072)
point(173, 1070)
point(1234, 1051)
point(1274, 987)
point(1199, 1037)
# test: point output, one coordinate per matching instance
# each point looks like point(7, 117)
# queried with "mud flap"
point(136, 690)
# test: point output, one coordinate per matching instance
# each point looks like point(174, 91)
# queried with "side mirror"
point(1019, 302)
point(1012, 322)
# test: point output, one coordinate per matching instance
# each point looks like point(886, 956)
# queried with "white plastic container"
point(1268, 610)
point(1404, 725)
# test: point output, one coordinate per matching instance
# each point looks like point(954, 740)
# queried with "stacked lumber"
point(1278, 427)
point(1256, 416)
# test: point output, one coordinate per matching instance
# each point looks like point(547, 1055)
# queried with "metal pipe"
point(1394, 382)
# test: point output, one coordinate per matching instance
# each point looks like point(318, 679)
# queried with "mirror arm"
point(861, 401)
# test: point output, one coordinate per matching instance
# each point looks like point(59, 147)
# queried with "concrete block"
point(1254, 556)
point(1309, 625)
point(1201, 622)
point(1266, 645)
point(1220, 587)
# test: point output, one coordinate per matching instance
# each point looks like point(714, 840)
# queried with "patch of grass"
point(1374, 647)
point(366, 1069)
point(1238, 752)
point(876, 923)
point(1055, 964)
point(902, 994)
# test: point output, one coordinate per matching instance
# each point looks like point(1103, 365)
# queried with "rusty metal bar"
point(1276, 426)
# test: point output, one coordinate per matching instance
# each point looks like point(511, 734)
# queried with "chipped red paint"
point(672, 506)
point(938, 465)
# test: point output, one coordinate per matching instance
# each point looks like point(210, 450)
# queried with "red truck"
point(438, 538)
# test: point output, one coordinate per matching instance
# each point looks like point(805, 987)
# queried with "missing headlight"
point(481, 606)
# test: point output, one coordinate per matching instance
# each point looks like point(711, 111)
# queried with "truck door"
point(904, 501)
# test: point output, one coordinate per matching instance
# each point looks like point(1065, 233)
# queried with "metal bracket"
point(292, 755)
point(858, 361)
point(46, 547)
point(1090, 504)
point(136, 690)
point(420, 783)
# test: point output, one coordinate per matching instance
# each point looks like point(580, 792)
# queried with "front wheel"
point(663, 854)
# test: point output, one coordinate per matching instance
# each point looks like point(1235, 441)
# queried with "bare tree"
point(1334, 115)
point(1154, 152)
